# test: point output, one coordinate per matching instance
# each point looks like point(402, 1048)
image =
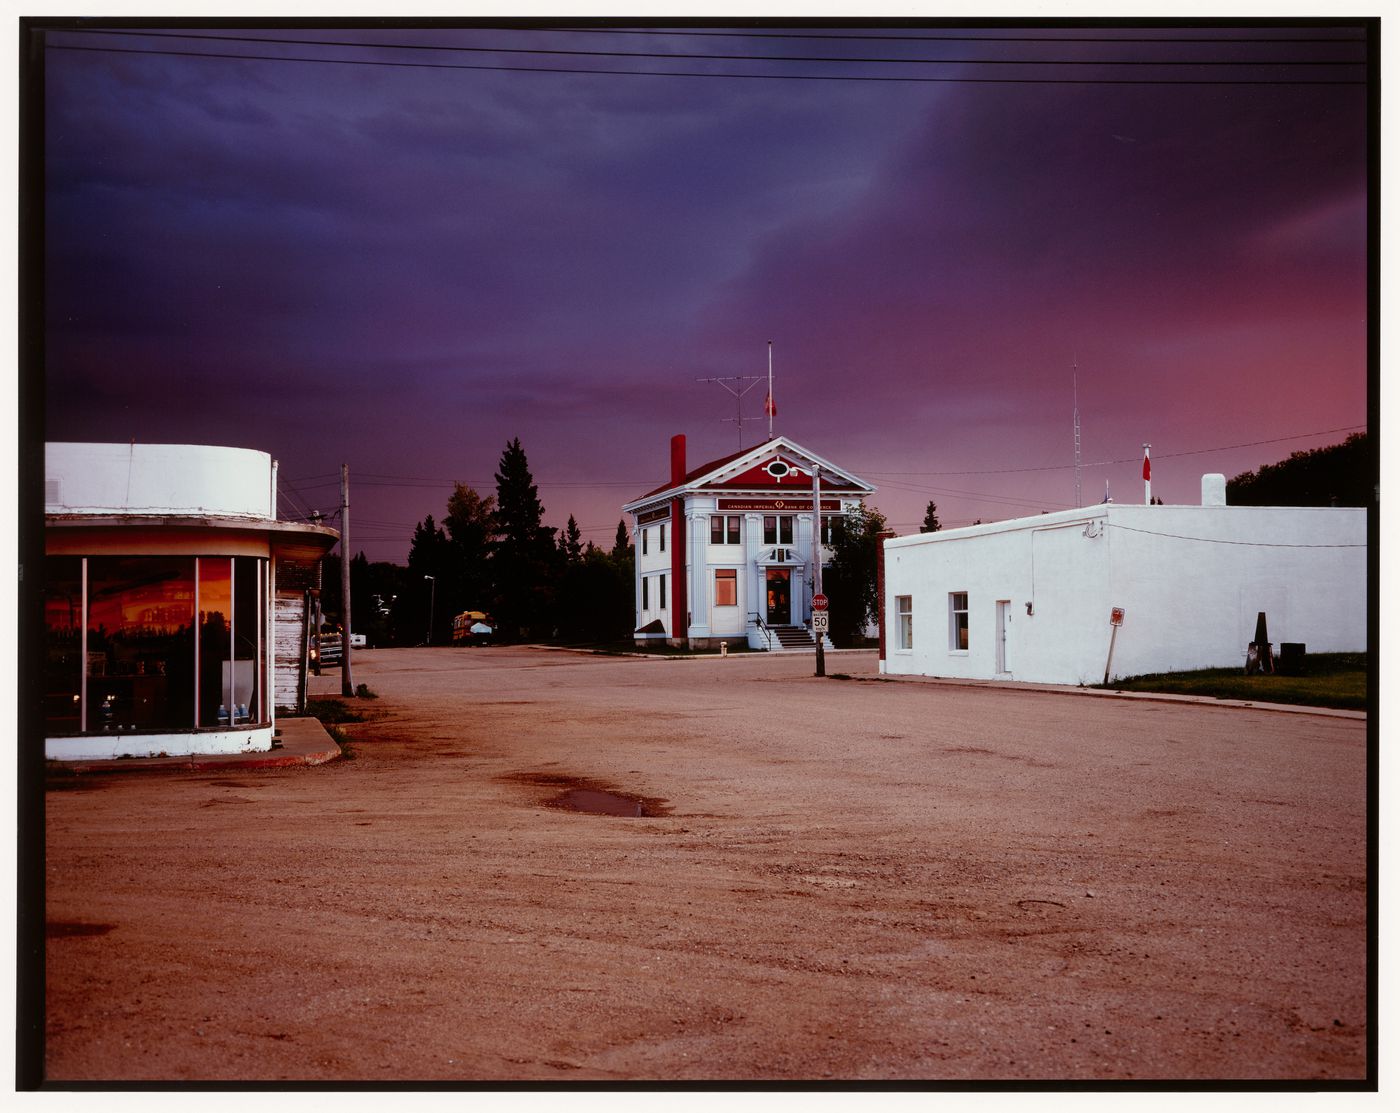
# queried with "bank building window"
point(644, 541)
point(646, 583)
point(724, 529)
point(661, 591)
point(777, 529)
point(957, 620)
point(904, 608)
point(662, 547)
point(726, 587)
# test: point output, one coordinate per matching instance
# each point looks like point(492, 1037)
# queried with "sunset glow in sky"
point(403, 266)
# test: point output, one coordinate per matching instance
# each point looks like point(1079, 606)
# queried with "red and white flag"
point(1146, 466)
point(769, 406)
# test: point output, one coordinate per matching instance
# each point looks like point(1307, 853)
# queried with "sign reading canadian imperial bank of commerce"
point(795, 504)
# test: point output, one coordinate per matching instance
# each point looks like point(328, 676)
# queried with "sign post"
point(1115, 620)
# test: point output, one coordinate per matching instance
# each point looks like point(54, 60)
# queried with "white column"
point(697, 569)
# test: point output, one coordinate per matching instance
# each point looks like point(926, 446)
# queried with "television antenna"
point(736, 385)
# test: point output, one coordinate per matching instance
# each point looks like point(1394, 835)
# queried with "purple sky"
point(402, 269)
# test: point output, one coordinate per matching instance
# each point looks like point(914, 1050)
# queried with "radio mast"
point(1078, 499)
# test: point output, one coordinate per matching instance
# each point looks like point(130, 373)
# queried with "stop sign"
point(818, 602)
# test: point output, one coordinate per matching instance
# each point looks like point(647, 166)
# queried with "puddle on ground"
point(579, 794)
point(64, 929)
point(594, 802)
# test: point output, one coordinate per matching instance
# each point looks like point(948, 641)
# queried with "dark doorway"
point(779, 597)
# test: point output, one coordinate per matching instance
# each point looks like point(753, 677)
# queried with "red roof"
point(714, 465)
point(696, 473)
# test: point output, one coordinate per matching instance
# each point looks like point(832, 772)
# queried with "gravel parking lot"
point(835, 879)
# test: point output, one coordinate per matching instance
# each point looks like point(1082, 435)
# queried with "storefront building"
point(162, 563)
point(724, 552)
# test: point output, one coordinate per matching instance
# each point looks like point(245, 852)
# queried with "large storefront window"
point(172, 643)
point(215, 640)
point(63, 647)
point(247, 641)
point(140, 651)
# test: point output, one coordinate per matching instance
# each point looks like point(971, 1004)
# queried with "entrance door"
point(779, 597)
point(1003, 621)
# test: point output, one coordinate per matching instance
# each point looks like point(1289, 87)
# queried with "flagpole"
point(770, 407)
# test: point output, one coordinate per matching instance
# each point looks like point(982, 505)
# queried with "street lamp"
point(432, 595)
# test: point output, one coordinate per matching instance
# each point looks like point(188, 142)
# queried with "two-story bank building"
point(724, 552)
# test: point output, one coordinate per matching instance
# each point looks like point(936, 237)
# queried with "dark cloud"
point(404, 269)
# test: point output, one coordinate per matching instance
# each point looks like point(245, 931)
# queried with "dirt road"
point(851, 879)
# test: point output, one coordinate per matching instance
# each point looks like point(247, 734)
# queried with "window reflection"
point(63, 646)
point(246, 642)
point(215, 612)
point(140, 660)
point(143, 669)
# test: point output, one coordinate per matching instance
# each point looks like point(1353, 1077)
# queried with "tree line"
point(493, 553)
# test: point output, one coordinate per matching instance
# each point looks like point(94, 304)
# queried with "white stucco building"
point(164, 567)
point(724, 552)
point(1032, 599)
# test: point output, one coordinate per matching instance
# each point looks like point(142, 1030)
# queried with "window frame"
point(958, 622)
point(729, 576)
point(724, 529)
point(904, 622)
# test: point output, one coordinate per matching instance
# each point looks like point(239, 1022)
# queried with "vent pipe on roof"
point(1213, 489)
point(677, 459)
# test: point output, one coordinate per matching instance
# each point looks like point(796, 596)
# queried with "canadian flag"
point(1146, 467)
point(770, 408)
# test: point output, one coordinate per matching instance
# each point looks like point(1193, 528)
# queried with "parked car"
point(358, 641)
point(325, 650)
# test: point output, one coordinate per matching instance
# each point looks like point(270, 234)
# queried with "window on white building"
point(828, 525)
point(904, 611)
point(726, 587)
point(724, 529)
point(644, 540)
point(661, 591)
point(646, 582)
point(957, 620)
point(777, 529)
point(662, 547)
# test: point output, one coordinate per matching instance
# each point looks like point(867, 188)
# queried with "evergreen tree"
point(429, 554)
point(524, 555)
point(931, 523)
point(622, 543)
point(850, 579)
point(571, 543)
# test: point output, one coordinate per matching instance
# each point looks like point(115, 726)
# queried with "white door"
point(1003, 621)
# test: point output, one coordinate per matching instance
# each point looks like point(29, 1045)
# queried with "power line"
point(558, 52)
point(1128, 459)
point(885, 79)
point(912, 37)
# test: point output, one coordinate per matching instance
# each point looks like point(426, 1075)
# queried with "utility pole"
point(347, 686)
point(820, 635)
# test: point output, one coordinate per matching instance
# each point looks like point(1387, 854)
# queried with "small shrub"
point(363, 691)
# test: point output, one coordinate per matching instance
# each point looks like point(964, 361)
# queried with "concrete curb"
point(303, 741)
point(1111, 693)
